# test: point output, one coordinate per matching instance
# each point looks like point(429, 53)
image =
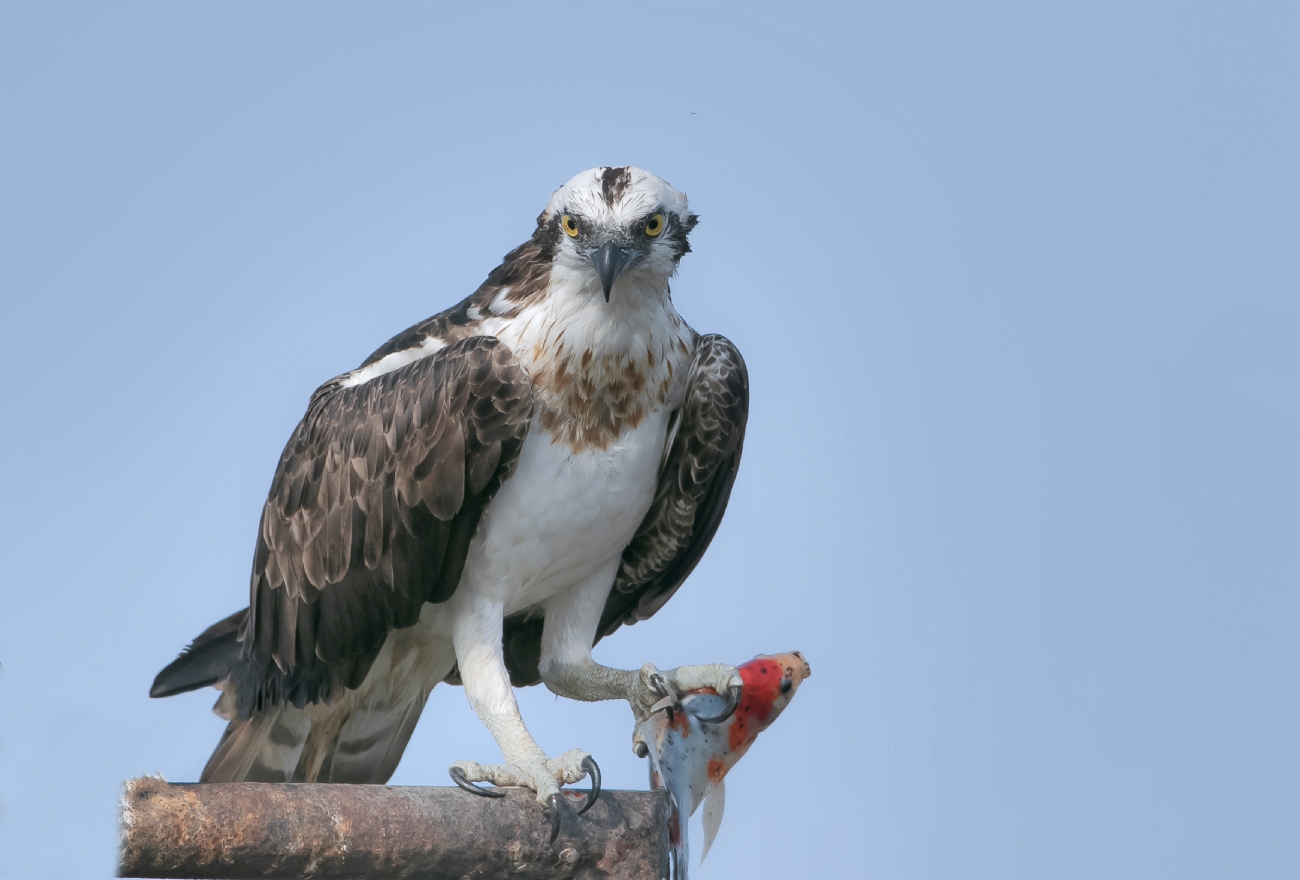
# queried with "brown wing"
point(694, 486)
point(370, 514)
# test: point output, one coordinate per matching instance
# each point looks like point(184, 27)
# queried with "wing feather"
point(370, 514)
point(694, 486)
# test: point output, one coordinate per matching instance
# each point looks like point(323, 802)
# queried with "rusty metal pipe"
point(235, 831)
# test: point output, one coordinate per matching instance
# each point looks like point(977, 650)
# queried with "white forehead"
point(616, 195)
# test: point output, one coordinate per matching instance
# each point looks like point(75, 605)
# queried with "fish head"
point(770, 684)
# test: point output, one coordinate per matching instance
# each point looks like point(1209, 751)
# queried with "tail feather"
point(284, 744)
point(355, 740)
point(371, 742)
point(207, 661)
point(263, 748)
point(369, 736)
point(358, 737)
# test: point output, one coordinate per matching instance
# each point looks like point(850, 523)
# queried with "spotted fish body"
point(690, 758)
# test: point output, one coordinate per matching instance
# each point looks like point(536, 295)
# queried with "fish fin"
point(714, 803)
point(677, 840)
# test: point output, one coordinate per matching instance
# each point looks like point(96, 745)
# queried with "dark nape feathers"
point(524, 273)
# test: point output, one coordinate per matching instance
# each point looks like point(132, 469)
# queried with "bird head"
point(615, 222)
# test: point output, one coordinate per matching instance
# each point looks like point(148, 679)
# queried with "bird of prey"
point(488, 495)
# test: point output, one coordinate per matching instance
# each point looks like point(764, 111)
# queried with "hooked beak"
point(609, 261)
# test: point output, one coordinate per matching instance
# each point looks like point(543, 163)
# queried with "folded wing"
point(694, 486)
point(370, 514)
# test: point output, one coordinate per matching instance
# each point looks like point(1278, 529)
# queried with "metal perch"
point(235, 831)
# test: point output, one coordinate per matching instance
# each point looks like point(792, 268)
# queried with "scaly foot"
point(544, 776)
point(655, 691)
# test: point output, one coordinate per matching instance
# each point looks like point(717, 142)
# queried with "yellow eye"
point(654, 225)
point(570, 225)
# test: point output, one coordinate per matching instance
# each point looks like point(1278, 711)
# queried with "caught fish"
point(690, 754)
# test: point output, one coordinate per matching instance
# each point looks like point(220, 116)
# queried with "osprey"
point(488, 495)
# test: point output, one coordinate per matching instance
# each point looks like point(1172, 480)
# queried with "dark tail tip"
point(207, 661)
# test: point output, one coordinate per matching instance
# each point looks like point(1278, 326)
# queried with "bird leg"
point(477, 638)
point(647, 690)
point(567, 668)
point(544, 776)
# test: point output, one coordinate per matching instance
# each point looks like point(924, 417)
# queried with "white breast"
point(570, 508)
point(564, 514)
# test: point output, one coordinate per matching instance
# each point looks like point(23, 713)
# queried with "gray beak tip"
point(609, 261)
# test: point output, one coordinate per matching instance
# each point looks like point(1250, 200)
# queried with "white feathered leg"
point(477, 637)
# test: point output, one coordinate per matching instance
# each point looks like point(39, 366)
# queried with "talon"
point(733, 700)
point(667, 704)
point(458, 777)
point(555, 804)
point(593, 770)
point(669, 698)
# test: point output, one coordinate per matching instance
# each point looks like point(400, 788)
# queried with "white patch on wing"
point(500, 303)
point(394, 361)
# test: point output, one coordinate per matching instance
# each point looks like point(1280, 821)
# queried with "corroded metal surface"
point(247, 830)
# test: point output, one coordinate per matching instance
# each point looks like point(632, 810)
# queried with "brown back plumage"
point(370, 514)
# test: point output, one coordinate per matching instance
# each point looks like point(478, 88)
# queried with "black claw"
point(669, 699)
point(733, 700)
point(593, 770)
point(557, 804)
point(458, 777)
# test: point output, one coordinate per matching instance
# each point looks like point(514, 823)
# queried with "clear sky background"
point(1019, 290)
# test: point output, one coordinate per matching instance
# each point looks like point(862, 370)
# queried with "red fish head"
point(770, 682)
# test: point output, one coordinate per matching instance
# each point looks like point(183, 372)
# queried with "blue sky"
point(1018, 291)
